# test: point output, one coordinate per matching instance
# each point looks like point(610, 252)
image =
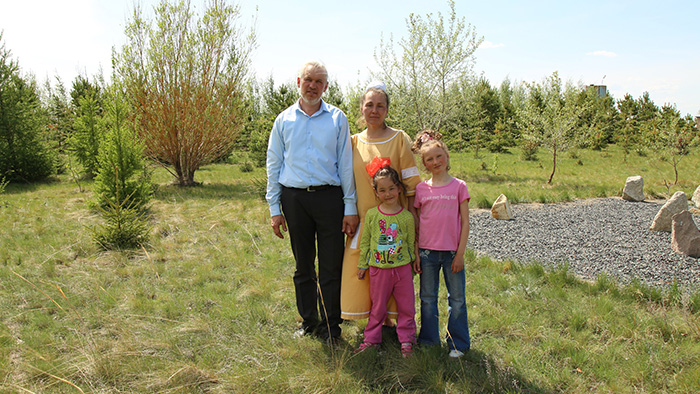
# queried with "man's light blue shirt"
point(308, 151)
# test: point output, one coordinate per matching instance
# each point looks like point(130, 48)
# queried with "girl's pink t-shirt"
point(440, 224)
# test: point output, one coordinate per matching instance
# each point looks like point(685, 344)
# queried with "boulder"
point(685, 236)
point(696, 198)
point(664, 218)
point(501, 208)
point(634, 189)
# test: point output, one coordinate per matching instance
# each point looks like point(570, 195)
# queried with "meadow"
point(207, 306)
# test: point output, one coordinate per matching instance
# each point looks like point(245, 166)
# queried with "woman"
point(377, 140)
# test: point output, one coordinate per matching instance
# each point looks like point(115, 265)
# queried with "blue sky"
point(630, 46)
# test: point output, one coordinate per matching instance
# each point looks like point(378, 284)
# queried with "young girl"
point(442, 206)
point(387, 248)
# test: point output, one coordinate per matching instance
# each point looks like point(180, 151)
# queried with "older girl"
point(442, 204)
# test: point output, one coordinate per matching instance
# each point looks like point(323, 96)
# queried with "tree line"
point(188, 98)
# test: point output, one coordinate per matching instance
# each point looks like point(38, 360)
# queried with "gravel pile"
point(593, 236)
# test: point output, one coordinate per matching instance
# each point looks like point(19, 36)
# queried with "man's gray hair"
point(315, 64)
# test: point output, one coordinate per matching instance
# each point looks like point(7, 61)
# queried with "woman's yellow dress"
point(354, 293)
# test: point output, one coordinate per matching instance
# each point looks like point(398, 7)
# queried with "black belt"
point(313, 188)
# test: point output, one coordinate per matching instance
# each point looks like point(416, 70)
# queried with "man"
point(310, 180)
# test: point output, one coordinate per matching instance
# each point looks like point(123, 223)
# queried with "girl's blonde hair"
point(426, 139)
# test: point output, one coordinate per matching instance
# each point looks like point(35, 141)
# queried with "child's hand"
point(416, 265)
point(457, 263)
point(361, 273)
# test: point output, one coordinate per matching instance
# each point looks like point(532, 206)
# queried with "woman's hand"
point(361, 273)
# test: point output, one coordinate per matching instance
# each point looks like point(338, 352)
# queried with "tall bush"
point(122, 172)
point(59, 115)
point(87, 135)
point(272, 100)
point(550, 118)
point(673, 136)
point(185, 78)
point(122, 184)
point(433, 58)
point(24, 153)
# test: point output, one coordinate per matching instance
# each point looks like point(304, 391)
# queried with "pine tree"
point(87, 135)
point(121, 173)
point(24, 153)
point(122, 183)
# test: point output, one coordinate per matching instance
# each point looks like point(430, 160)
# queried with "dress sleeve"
point(409, 171)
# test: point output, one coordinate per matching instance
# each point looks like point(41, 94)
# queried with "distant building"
point(600, 90)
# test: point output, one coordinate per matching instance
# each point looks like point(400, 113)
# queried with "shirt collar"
point(324, 107)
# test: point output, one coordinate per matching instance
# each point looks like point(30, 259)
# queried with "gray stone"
point(664, 218)
point(501, 208)
point(634, 189)
point(685, 236)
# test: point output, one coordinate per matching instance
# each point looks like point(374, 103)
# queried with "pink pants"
point(383, 283)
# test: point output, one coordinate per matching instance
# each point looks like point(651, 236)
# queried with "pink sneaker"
point(364, 346)
point(406, 349)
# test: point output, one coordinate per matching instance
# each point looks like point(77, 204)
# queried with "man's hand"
point(350, 223)
point(277, 221)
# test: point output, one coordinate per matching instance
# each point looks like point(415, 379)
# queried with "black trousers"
point(315, 220)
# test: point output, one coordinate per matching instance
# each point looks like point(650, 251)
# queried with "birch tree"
point(550, 117)
point(436, 54)
point(673, 136)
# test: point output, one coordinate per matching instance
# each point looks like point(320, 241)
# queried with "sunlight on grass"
point(208, 305)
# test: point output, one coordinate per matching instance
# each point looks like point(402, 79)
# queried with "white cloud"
point(602, 53)
point(489, 45)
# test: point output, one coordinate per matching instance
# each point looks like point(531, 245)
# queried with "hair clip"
point(377, 164)
point(425, 138)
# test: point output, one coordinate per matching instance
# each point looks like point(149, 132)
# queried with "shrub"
point(694, 302)
point(125, 227)
point(24, 153)
point(483, 202)
point(529, 150)
point(258, 143)
point(121, 173)
point(122, 183)
point(87, 136)
point(259, 187)
point(246, 167)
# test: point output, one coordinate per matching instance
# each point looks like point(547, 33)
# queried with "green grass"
point(600, 174)
point(208, 306)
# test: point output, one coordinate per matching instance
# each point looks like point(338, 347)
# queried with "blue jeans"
point(431, 262)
